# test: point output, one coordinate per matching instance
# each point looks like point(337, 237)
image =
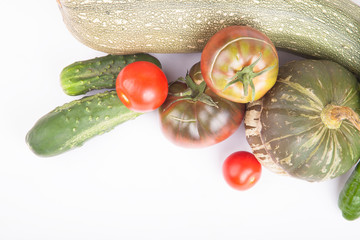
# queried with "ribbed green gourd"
point(307, 125)
point(70, 125)
point(98, 73)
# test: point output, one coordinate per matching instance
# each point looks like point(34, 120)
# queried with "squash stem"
point(333, 116)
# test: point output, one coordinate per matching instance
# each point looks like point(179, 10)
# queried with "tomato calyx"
point(194, 92)
point(246, 76)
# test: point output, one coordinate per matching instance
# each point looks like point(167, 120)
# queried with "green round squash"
point(307, 125)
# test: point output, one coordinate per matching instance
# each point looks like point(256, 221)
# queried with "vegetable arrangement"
point(70, 125)
point(301, 119)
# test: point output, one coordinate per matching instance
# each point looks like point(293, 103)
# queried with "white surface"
point(130, 183)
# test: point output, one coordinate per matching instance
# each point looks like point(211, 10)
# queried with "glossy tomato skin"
point(241, 170)
point(196, 124)
point(142, 86)
point(230, 50)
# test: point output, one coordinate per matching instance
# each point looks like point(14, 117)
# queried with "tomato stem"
point(246, 76)
point(194, 92)
point(191, 84)
point(198, 92)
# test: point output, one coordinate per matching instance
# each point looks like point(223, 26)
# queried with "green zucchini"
point(320, 28)
point(349, 198)
point(70, 125)
point(98, 73)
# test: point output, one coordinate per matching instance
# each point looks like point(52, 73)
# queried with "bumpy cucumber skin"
point(349, 199)
point(98, 73)
point(70, 125)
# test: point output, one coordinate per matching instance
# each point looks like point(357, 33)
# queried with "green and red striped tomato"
point(240, 63)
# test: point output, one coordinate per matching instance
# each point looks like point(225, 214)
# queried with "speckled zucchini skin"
point(321, 28)
point(98, 73)
point(349, 198)
point(72, 124)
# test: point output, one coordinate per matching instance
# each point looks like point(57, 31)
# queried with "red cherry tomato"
point(142, 86)
point(241, 170)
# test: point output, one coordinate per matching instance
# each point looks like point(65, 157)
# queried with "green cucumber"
point(349, 198)
point(98, 73)
point(70, 125)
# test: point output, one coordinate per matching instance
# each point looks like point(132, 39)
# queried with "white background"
point(130, 183)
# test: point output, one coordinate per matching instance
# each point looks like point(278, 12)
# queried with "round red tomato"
point(241, 170)
point(240, 64)
point(194, 116)
point(142, 86)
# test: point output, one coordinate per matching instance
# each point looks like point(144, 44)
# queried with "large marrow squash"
point(320, 28)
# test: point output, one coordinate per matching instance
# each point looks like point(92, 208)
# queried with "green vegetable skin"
point(98, 73)
point(326, 29)
point(70, 125)
point(349, 199)
point(307, 125)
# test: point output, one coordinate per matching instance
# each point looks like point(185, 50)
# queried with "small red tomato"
point(241, 170)
point(142, 86)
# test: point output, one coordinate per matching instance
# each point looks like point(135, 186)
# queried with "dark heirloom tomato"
point(194, 116)
point(240, 64)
